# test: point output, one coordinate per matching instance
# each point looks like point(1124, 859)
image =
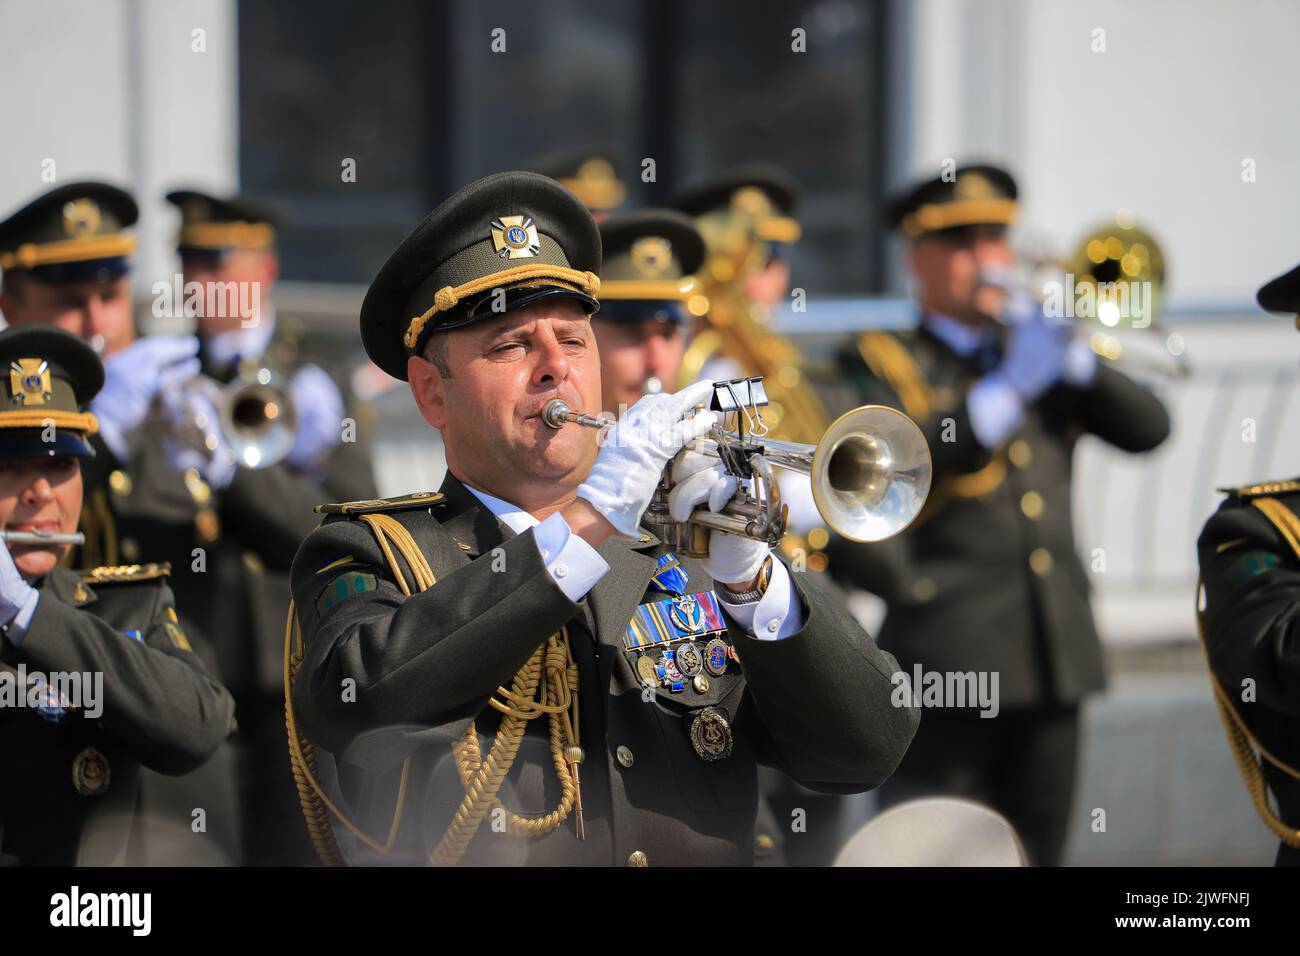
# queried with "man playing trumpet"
point(511, 670)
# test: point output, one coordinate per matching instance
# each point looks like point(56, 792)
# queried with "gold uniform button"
point(924, 589)
point(1019, 453)
point(1031, 503)
point(1040, 559)
point(638, 858)
point(764, 842)
point(130, 550)
point(818, 538)
point(624, 756)
point(120, 483)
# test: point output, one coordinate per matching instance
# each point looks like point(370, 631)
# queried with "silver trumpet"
point(255, 416)
point(42, 537)
point(870, 472)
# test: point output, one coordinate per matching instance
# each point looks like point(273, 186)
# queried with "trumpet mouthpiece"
point(556, 412)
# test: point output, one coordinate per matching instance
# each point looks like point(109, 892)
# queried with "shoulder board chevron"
point(1264, 488)
point(115, 574)
point(419, 499)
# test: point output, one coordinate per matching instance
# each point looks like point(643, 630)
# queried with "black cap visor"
point(29, 443)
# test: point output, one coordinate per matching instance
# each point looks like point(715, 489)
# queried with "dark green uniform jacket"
point(70, 790)
point(1252, 630)
point(988, 577)
point(817, 705)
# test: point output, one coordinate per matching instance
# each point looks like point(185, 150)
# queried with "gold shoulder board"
point(125, 572)
point(419, 499)
point(1247, 492)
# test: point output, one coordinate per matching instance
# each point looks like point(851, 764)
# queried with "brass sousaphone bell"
point(870, 472)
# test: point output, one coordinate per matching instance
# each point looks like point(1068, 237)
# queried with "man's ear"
point(270, 267)
point(912, 259)
point(427, 387)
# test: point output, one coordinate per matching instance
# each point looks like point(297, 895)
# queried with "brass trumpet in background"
point(255, 416)
point(1115, 265)
point(870, 472)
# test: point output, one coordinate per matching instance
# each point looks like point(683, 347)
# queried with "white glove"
point(733, 558)
point(14, 589)
point(638, 448)
point(131, 379)
point(699, 478)
point(193, 409)
point(320, 410)
point(1035, 359)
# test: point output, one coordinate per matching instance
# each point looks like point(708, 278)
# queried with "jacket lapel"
point(615, 597)
point(476, 529)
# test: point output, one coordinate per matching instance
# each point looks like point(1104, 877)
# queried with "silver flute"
point(42, 537)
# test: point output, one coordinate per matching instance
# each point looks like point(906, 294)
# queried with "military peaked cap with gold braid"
point(979, 195)
point(649, 260)
point(73, 233)
point(518, 232)
point(49, 376)
point(213, 224)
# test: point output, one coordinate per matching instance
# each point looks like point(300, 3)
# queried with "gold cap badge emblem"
point(974, 186)
point(81, 218)
point(651, 256)
point(29, 381)
point(515, 237)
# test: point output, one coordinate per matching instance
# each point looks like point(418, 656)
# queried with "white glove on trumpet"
point(733, 558)
point(638, 448)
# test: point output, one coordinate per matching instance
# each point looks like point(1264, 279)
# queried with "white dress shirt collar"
point(228, 347)
point(958, 336)
point(516, 519)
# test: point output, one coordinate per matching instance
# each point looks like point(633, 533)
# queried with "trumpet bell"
point(870, 473)
point(258, 420)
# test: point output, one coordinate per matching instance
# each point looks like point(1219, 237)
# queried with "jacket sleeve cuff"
point(572, 563)
point(773, 617)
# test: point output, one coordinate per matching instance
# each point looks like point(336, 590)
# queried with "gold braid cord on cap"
point(546, 685)
point(1241, 741)
point(32, 254)
point(220, 235)
point(936, 216)
point(448, 297)
point(85, 422)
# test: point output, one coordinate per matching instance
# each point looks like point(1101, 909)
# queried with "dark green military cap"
point(214, 223)
point(522, 233)
point(978, 195)
point(52, 376)
point(70, 234)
